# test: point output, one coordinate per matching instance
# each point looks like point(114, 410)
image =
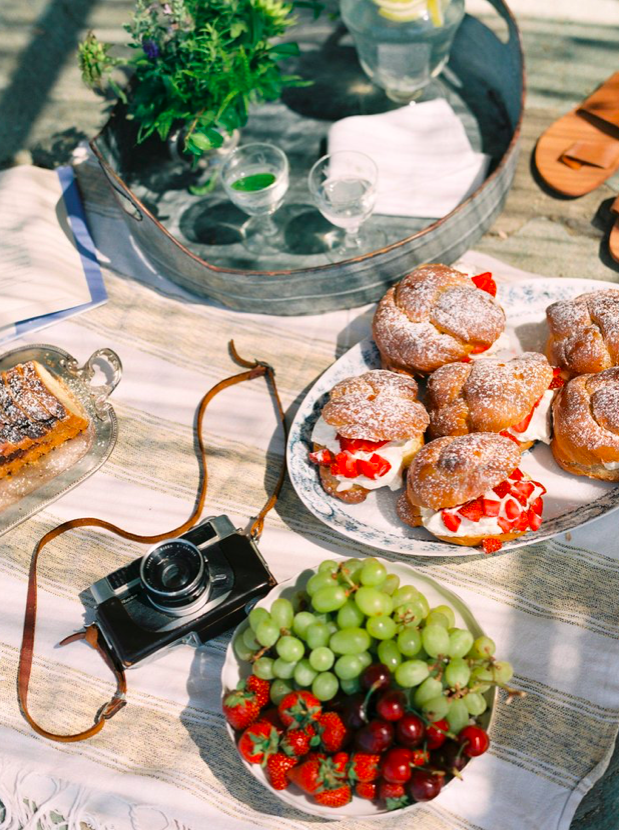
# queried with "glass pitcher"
point(402, 44)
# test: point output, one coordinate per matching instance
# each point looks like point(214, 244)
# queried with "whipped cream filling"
point(486, 526)
point(539, 428)
point(500, 344)
point(394, 452)
point(611, 465)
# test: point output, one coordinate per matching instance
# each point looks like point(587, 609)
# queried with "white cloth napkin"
point(426, 165)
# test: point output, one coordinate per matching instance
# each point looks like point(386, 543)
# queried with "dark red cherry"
point(391, 705)
point(474, 740)
point(396, 767)
point(450, 758)
point(376, 737)
point(424, 786)
point(410, 731)
point(436, 733)
point(354, 714)
point(376, 676)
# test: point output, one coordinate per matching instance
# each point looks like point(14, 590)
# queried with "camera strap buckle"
point(115, 705)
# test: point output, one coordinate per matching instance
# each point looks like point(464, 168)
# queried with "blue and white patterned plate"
point(571, 501)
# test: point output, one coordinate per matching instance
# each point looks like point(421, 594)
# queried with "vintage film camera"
point(183, 590)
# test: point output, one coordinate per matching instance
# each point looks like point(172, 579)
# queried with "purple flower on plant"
point(151, 49)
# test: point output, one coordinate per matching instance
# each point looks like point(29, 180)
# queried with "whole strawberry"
point(277, 766)
point(299, 708)
point(305, 775)
point(338, 797)
point(261, 688)
point(333, 733)
point(258, 742)
point(394, 795)
point(297, 742)
point(364, 767)
point(241, 708)
point(318, 773)
point(366, 789)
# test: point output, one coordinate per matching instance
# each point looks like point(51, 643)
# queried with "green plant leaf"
point(284, 50)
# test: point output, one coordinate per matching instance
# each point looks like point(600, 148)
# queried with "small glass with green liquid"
point(255, 177)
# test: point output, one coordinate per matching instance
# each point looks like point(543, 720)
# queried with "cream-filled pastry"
point(436, 315)
point(586, 426)
point(367, 434)
point(469, 490)
point(584, 332)
point(510, 397)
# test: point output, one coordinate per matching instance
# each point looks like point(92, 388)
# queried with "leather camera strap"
point(91, 634)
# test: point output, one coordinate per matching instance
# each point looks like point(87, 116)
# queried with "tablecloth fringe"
point(34, 801)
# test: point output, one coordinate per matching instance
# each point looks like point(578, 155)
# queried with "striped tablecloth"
point(165, 761)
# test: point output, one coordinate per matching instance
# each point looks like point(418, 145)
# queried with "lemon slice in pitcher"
point(403, 11)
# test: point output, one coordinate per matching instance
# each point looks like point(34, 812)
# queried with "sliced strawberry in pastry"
point(359, 444)
point(472, 510)
point(523, 521)
point(491, 507)
point(522, 490)
point(373, 468)
point(507, 434)
point(505, 525)
point(480, 348)
point(450, 520)
point(322, 457)
point(517, 475)
point(485, 283)
point(512, 510)
point(522, 425)
point(538, 506)
point(535, 520)
point(344, 465)
point(502, 489)
point(557, 382)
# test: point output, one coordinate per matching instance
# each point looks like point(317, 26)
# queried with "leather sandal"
point(581, 150)
point(613, 239)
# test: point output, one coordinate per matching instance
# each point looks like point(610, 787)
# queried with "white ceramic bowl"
point(235, 670)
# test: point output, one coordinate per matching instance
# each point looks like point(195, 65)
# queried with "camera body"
point(184, 590)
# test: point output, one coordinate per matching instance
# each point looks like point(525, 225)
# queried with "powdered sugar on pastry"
point(376, 406)
point(490, 395)
point(586, 425)
point(435, 315)
point(584, 332)
point(453, 470)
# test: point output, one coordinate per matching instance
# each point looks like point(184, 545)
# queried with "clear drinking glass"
point(255, 178)
point(343, 187)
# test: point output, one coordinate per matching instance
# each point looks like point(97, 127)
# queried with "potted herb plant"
point(197, 66)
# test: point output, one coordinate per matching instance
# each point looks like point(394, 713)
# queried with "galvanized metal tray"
point(37, 485)
point(196, 241)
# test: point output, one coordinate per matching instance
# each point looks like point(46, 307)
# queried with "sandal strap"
point(602, 106)
point(594, 154)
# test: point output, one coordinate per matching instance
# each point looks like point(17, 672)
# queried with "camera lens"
point(175, 576)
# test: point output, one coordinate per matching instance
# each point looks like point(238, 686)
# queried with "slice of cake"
point(37, 413)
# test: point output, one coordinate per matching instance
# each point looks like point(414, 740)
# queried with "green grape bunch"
point(354, 616)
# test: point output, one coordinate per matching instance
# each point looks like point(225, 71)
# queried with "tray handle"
point(101, 392)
